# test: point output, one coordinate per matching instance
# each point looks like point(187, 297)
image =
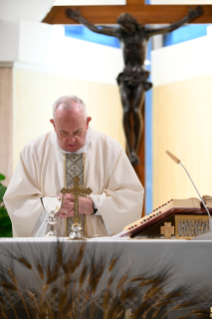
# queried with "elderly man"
point(50, 162)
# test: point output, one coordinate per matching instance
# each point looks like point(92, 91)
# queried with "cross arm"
point(66, 190)
point(192, 14)
point(75, 15)
point(144, 14)
point(75, 192)
point(87, 191)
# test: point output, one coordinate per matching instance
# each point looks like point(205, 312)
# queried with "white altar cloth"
point(189, 262)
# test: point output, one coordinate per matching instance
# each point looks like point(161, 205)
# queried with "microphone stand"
point(176, 160)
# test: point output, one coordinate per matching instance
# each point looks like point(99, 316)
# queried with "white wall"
point(182, 61)
point(45, 46)
point(33, 10)
point(182, 119)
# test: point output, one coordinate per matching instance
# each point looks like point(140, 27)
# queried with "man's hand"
point(73, 14)
point(85, 206)
point(195, 13)
point(67, 209)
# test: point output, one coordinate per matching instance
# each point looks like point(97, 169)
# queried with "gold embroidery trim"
point(83, 184)
point(64, 181)
point(86, 230)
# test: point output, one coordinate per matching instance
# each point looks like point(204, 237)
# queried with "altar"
point(60, 275)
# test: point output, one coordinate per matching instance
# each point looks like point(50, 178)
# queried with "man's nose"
point(72, 139)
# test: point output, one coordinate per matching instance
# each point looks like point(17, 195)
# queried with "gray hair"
point(67, 102)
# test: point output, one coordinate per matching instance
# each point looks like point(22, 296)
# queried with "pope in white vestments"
point(117, 194)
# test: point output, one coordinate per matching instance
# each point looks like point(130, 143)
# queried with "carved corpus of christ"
point(133, 80)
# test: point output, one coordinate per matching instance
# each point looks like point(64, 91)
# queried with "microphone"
point(176, 160)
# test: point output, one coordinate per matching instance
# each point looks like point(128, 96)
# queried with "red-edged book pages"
point(174, 206)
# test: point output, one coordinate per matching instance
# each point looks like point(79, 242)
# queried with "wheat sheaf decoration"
point(76, 284)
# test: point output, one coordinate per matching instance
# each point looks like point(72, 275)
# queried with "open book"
point(174, 206)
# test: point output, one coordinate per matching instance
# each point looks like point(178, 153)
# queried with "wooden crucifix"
point(76, 191)
point(133, 80)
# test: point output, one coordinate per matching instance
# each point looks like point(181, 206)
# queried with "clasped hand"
point(73, 14)
point(85, 206)
point(195, 13)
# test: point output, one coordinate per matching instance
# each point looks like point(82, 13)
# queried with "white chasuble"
point(116, 190)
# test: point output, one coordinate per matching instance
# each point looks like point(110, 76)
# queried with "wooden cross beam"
point(145, 14)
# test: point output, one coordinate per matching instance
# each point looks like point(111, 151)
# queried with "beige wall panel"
point(182, 123)
point(6, 109)
point(36, 91)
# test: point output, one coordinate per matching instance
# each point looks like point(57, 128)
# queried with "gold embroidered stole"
point(74, 166)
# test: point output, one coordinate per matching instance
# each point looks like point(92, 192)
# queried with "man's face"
point(127, 26)
point(71, 128)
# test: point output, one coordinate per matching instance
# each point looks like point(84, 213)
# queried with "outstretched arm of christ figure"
point(75, 15)
point(192, 14)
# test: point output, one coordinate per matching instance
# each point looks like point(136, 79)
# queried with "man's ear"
point(88, 120)
point(52, 121)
